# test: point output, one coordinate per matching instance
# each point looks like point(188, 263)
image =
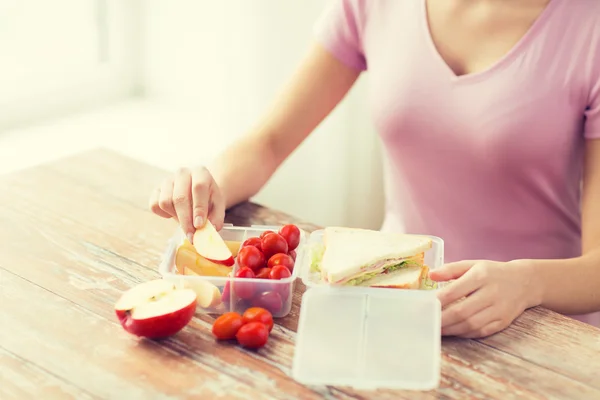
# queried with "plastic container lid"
point(369, 338)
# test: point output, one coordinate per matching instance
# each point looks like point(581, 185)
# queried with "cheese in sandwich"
point(361, 257)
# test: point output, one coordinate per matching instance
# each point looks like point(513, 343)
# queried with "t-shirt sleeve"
point(340, 30)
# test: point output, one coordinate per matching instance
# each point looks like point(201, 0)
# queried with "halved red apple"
point(210, 245)
point(156, 309)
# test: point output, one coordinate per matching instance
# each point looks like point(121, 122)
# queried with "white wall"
point(223, 61)
point(63, 57)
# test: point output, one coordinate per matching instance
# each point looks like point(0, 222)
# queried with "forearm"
point(244, 168)
point(571, 286)
point(311, 94)
point(568, 286)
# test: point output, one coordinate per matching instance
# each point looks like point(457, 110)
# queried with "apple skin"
point(228, 262)
point(156, 309)
point(159, 327)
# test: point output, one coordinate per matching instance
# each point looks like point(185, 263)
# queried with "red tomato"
point(281, 259)
point(265, 233)
point(280, 272)
point(292, 253)
point(284, 291)
point(253, 241)
point(291, 234)
point(225, 296)
point(227, 326)
point(258, 314)
point(272, 244)
point(271, 301)
point(244, 290)
point(251, 257)
point(253, 335)
point(263, 273)
point(245, 272)
point(242, 305)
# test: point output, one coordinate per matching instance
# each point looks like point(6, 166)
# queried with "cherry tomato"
point(253, 335)
point(245, 272)
point(280, 272)
point(272, 244)
point(225, 296)
point(227, 325)
point(292, 253)
point(281, 259)
point(258, 314)
point(284, 291)
point(244, 290)
point(242, 305)
point(271, 301)
point(291, 234)
point(265, 233)
point(263, 273)
point(253, 241)
point(251, 257)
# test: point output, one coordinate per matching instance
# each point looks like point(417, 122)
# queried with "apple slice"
point(156, 309)
point(209, 296)
point(210, 245)
point(190, 260)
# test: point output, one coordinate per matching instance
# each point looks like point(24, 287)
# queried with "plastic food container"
point(235, 294)
point(359, 337)
point(368, 338)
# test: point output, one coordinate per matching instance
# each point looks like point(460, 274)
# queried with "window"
point(63, 54)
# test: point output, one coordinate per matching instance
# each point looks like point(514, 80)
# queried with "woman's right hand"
point(190, 196)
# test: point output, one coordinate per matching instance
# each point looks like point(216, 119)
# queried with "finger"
point(488, 330)
point(461, 311)
point(217, 212)
point(182, 201)
point(154, 204)
point(451, 270)
point(165, 200)
point(201, 186)
point(462, 287)
point(472, 324)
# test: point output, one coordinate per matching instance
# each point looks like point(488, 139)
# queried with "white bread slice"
point(349, 249)
point(404, 278)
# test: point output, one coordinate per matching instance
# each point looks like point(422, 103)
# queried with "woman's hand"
point(190, 197)
point(486, 296)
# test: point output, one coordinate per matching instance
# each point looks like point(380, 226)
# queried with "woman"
point(489, 111)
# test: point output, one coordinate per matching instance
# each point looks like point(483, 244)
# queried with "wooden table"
point(76, 233)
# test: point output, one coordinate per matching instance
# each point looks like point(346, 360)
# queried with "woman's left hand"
point(486, 296)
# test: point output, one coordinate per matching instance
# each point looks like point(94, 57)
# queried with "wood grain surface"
point(76, 233)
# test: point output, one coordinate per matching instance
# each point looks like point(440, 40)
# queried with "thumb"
point(451, 271)
point(217, 212)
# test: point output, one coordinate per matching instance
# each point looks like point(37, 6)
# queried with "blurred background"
point(171, 83)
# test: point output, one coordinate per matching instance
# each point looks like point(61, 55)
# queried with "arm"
point(313, 92)
point(487, 296)
point(580, 294)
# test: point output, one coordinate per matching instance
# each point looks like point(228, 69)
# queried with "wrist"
point(534, 286)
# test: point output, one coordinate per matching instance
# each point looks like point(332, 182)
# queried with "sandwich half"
point(362, 257)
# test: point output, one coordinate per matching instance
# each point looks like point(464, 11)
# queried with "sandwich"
point(362, 257)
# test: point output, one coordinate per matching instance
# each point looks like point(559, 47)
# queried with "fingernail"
point(190, 237)
point(198, 222)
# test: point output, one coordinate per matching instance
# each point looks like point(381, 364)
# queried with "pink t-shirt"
point(492, 161)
